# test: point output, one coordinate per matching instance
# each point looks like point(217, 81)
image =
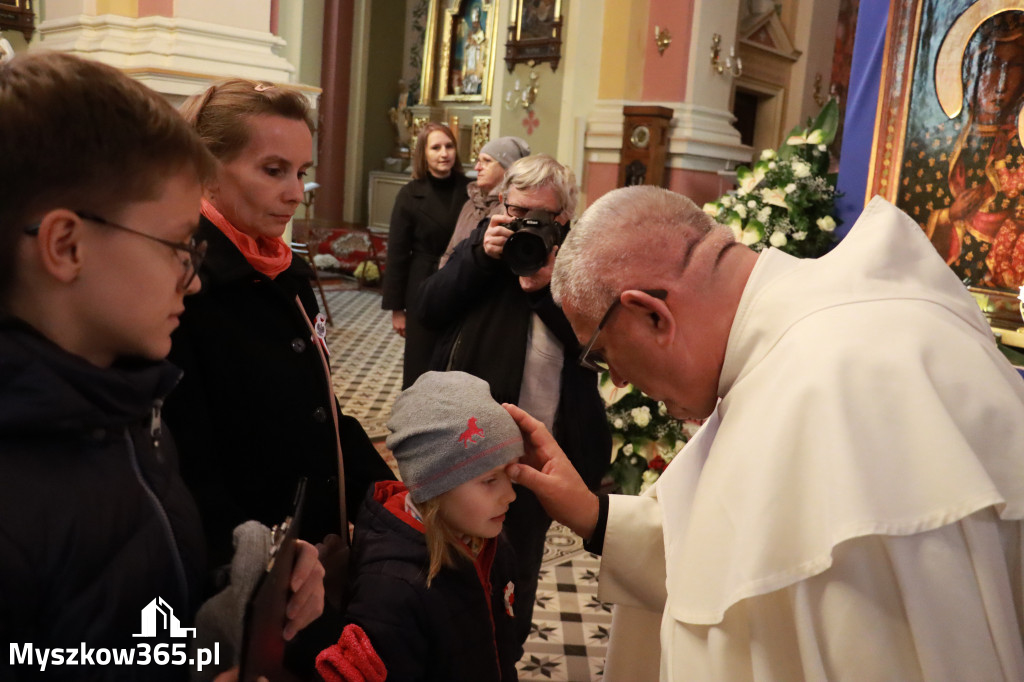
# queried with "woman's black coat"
point(255, 410)
point(422, 222)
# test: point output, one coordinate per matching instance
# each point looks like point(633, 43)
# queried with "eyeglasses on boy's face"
point(194, 251)
point(593, 359)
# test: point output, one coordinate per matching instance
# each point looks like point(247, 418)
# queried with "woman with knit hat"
point(494, 159)
point(434, 591)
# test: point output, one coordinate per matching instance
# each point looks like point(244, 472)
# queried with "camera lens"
point(525, 252)
point(534, 235)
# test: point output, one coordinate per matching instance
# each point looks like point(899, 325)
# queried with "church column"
point(333, 122)
point(702, 138)
point(176, 47)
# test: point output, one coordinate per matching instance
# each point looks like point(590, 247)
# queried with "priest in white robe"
point(852, 508)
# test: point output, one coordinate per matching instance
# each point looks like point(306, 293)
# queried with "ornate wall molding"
point(172, 55)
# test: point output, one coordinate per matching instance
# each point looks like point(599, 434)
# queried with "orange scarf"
point(271, 256)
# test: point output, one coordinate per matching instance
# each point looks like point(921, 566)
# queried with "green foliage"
point(787, 198)
point(645, 437)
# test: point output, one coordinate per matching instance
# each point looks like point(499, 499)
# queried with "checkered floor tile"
point(570, 625)
point(366, 358)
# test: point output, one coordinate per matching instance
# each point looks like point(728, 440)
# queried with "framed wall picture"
point(534, 33)
point(947, 146)
point(458, 64)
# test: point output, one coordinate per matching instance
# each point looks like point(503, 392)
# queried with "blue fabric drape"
point(861, 107)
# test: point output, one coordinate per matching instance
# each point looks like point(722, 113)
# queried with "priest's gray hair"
point(541, 170)
point(630, 238)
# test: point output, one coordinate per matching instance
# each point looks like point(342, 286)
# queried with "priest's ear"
point(59, 244)
point(650, 304)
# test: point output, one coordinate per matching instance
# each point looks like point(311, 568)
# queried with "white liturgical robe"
point(853, 508)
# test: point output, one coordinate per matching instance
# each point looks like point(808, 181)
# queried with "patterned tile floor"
point(570, 625)
point(366, 357)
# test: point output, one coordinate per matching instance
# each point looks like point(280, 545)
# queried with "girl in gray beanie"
point(434, 589)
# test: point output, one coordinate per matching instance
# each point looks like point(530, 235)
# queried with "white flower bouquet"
point(645, 437)
point(787, 199)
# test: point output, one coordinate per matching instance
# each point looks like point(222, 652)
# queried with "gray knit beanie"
point(446, 429)
point(506, 150)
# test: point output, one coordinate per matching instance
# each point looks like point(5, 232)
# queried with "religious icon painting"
point(947, 144)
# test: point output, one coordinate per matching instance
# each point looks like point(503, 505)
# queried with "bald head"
point(636, 237)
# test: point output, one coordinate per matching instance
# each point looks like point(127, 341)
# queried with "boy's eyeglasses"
point(194, 250)
point(592, 359)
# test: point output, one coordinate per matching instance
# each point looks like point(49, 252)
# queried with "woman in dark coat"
point(255, 410)
point(422, 222)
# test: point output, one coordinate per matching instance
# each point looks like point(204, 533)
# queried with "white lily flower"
point(775, 197)
point(749, 236)
point(778, 240)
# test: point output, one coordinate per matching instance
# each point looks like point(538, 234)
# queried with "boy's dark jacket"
point(95, 521)
point(440, 633)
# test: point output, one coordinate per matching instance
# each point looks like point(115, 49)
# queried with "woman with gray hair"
point(494, 159)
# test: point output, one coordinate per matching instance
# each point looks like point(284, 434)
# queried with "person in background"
point(256, 410)
point(98, 249)
point(493, 160)
point(507, 330)
point(435, 588)
point(422, 222)
point(853, 507)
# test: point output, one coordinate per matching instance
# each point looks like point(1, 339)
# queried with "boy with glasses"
point(99, 202)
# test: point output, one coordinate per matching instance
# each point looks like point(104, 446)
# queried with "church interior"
point(706, 98)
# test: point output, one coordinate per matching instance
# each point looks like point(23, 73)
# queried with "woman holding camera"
point(422, 222)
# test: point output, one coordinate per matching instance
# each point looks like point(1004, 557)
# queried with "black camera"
point(534, 235)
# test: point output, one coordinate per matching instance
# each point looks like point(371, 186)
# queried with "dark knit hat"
point(506, 150)
point(446, 429)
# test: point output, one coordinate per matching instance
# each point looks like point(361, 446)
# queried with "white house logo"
point(158, 621)
point(158, 617)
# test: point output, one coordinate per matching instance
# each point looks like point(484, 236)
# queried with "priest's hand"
point(551, 476)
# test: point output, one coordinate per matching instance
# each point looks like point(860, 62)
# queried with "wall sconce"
point(520, 97)
point(662, 38)
point(732, 63)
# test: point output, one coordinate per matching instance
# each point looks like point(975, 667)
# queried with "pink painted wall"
point(156, 8)
point(600, 178)
point(699, 186)
point(665, 75)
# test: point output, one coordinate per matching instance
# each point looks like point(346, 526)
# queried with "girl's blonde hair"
point(441, 538)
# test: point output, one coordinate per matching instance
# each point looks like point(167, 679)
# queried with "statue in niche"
point(474, 63)
point(401, 118)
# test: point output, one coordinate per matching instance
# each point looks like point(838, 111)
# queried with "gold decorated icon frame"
point(924, 127)
point(459, 51)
